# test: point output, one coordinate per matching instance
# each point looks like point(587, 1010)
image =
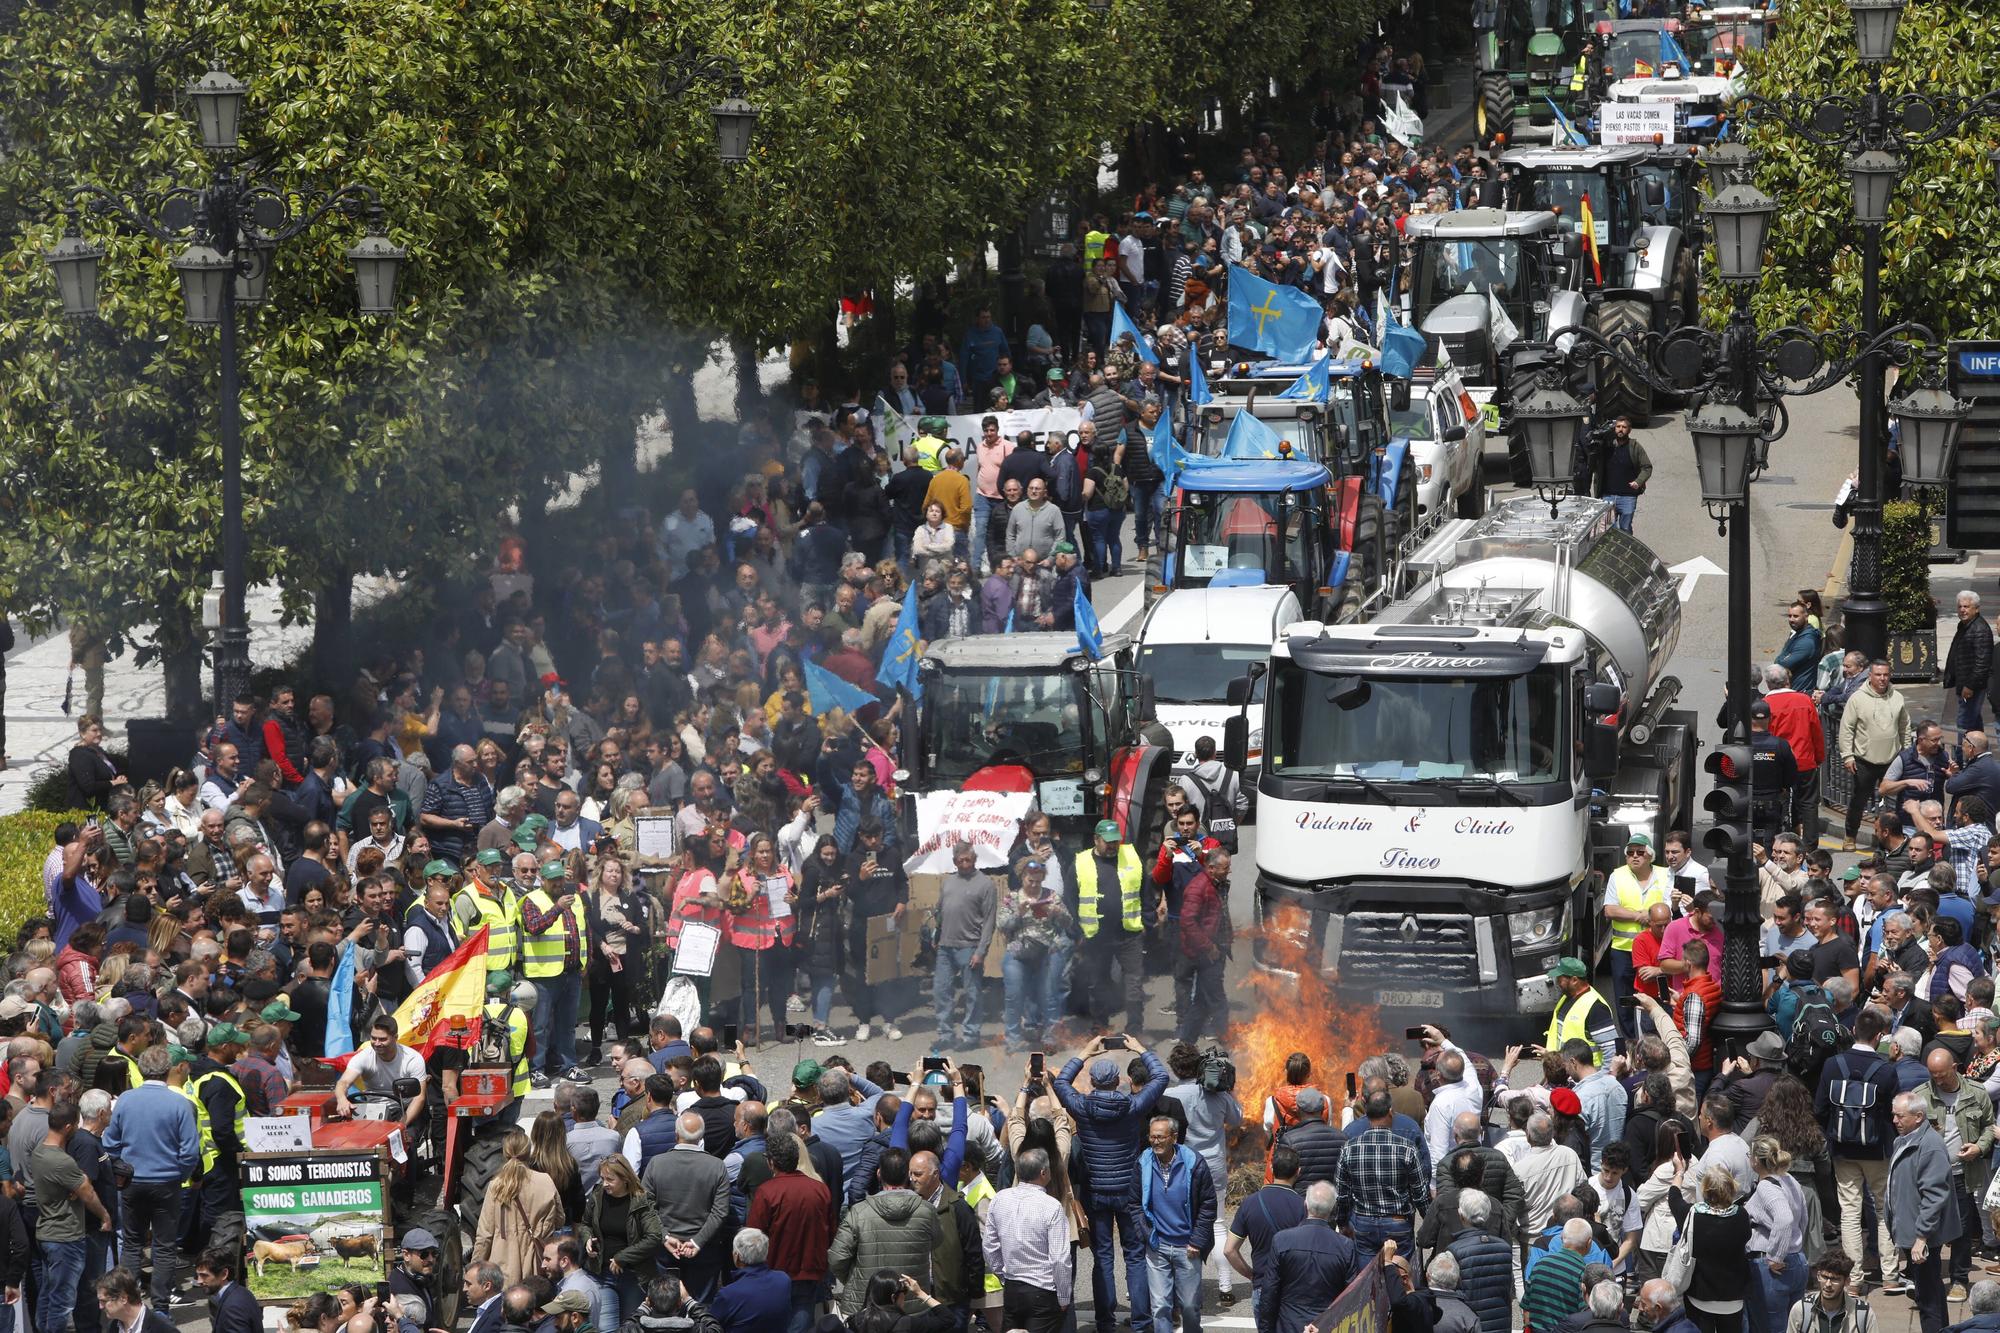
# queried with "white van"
point(1193, 643)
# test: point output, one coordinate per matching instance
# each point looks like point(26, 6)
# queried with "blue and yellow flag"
point(1316, 385)
point(899, 655)
point(1282, 322)
point(1250, 438)
point(1088, 637)
point(1402, 349)
point(1672, 54)
point(1197, 381)
point(829, 691)
point(1122, 323)
point(1570, 132)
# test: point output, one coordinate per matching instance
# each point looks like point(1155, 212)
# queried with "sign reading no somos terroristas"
point(313, 1223)
point(989, 820)
point(1635, 122)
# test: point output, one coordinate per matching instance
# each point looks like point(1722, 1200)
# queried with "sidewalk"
point(40, 734)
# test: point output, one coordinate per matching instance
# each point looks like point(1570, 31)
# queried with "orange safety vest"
point(756, 928)
point(687, 909)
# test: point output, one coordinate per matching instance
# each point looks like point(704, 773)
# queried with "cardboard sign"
point(1635, 122)
point(892, 951)
point(278, 1133)
point(315, 1222)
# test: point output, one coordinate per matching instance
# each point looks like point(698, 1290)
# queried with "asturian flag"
point(455, 989)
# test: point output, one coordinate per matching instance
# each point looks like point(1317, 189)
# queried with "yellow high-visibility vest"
point(1129, 876)
point(1572, 1019)
point(501, 916)
point(192, 1091)
point(543, 951)
point(1634, 897)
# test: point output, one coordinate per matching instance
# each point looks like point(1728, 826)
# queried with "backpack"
point(1816, 1037)
point(1852, 1102)
point(1222, 825)
point(495, 1044)
point(1114, 491)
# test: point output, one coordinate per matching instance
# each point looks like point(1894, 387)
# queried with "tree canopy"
point(1936, 268)
point(568, 227)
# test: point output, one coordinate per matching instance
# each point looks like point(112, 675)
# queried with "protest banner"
point(313, 1222)
point(989, 820)
point(1362, 1307)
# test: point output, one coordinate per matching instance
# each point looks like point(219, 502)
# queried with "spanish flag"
point(1590, 240)
point(445, 1007)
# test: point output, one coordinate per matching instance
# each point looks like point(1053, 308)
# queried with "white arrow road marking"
point(1691, 572)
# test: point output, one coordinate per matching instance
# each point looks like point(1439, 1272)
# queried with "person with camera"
point(1204, 1085)
point(1183, 854)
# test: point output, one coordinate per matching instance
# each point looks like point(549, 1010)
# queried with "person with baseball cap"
point(1630, 893)
point(1580, 1012)
point(1113, 921)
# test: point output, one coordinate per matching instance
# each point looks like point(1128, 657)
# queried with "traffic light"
point(1729, 802)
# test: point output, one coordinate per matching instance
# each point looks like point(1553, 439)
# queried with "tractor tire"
point(1687, 288)
point(1399, 520)
point(1350, 604)
point(1620, 393)
point(450, 1266)
point(483, 1160)
point(1495, 110)
point(1370, 558)
point(1155, 564)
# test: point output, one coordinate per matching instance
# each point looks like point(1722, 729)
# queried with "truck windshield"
point(1565, 190)
point(1414, 729)
point(1412, 422)
point(975, 718)
point(1357, 407)
point(1230, 530)
point(1453, 268)
point(1199, 673)
point(1303, 436)
point(1728, 39)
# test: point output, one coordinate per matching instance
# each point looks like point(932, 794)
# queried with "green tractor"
point(1530, 53)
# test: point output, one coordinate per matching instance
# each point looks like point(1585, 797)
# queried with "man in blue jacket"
point(1109, 1126)
point(1310, 1265)
point(153, 1132)
point(1177, 1199)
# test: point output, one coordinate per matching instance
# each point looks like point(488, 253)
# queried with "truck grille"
point(1374, 948)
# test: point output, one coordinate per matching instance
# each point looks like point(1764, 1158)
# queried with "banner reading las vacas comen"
point(312, 1223)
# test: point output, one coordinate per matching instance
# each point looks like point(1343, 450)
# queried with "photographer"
point(1205, 1089)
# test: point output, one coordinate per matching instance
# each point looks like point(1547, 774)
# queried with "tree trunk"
point(180, 663)
point(333, 631)
point(749, 388)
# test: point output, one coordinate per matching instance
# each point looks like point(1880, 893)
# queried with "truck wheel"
point(483, 1160)
point(1154, 564)
point(1496, 106)
point(1619, 392)
point(1400, 519)
point(1350, 604)
point(1472, 504)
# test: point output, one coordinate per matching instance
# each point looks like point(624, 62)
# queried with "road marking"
point(1129, 606)
point(1691, 572)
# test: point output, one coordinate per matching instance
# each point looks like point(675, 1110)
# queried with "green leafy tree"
point(1936, 267)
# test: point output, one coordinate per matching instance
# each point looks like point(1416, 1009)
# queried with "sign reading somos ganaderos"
point(312, 1222)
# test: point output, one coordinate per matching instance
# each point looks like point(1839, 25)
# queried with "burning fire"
point(1298, 1014)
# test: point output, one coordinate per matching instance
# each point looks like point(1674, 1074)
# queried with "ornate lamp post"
point(232, 226)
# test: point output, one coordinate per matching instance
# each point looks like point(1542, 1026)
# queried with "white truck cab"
point(1193, 643)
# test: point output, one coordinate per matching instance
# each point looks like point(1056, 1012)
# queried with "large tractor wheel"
point(1495, 111)
point(1400, 519)
point(1618, 391)
point(1687, 289)
point(1369, 558)
point(483, 1160)
point(1350, 603)
point(450, 1266)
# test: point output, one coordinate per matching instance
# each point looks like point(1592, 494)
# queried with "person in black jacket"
point(823, 891)
point(231, 1307)
point(92, 773)
point(118, 1296)
point(1968, 663)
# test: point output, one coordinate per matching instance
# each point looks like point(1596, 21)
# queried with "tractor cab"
point(1257, 523)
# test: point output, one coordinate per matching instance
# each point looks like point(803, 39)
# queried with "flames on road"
point(1287, 1014)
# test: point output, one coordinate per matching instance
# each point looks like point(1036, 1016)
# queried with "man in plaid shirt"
point(1379, 1187)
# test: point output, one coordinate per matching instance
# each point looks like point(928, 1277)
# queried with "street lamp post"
point(234, 224)
point(1737, 378)
point(1875, 132)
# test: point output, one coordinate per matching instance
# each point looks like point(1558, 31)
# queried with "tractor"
point(1650, 61)
point(1530, 54)
point(1644, 277)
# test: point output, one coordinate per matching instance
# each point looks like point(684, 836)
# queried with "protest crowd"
point(668, 771)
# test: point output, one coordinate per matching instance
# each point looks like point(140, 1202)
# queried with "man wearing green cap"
point(1114, 928)
point(485, 900)
point(220, 1105)
point(1629, 893)
point(553, 936)
point(1580, 1011)
point(1072, 581)
point(930, 442)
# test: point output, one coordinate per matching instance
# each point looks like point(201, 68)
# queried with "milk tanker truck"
point(1445, 788)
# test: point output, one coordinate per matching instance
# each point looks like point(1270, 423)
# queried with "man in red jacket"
point(1204, 951)
point(1795, 720)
